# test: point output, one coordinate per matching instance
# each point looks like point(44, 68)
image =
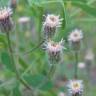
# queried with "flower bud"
point(6, 23)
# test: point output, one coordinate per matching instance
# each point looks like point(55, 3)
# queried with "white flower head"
point(61, 94)
point(89, 55)
point(5, 13)
point(23, 19)
point(75, 86)
point(54, 50)
point(75, 35)
point(6, 23)
point(52, 21)
point(81, 65)
point(52, 46)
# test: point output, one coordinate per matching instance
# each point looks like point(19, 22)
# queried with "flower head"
point(75, 36)
point(81, 65)
point(54, 49)
point(75, 86)
point(50, 25)
point(61, 94)
point(5, 13)
point(52, 46)
point(89, 55)
point(24, 20)
point(5, 20)
point(52, 21)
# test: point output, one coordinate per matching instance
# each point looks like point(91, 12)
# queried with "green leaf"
point(37, 81)
point(47, 86)
point(23, 63)
point(5, 59)
point(2, 41)
point(35, 2)
point(34, 80)
point(16, 90)
point(88, 9)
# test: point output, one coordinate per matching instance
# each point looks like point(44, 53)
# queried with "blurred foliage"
point(33, 66)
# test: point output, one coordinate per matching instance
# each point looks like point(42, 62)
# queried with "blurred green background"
point(33, 65)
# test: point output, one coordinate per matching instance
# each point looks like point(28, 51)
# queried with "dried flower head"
point(50, 25)
point(75, 87)
point(54, 50)
point(5, 20)
point(75, 36)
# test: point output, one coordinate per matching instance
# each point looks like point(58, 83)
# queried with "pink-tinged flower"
point(75, 87)
point(75, 36)
point(5, 19)
point(54, 49)
point(52, 21)
point(50, 25)
point(5, 13)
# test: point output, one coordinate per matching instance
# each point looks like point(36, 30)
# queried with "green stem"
point(76, 65)
point(32, 50)
point(13, 63)
point(52, 71)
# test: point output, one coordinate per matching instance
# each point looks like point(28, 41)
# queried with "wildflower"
point(54, 50)
point(81, 65)
point(75, 87)
point(50, 25)
point(24, 24)
point(6, 23)
point(75, 38)
point(89, 58)
point(89, 55)
point(23, 19)
point(61, 94)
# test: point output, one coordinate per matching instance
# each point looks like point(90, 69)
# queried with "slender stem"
point(52, 71)
point(13, 63)
point(32, 50)
point(76, 65)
